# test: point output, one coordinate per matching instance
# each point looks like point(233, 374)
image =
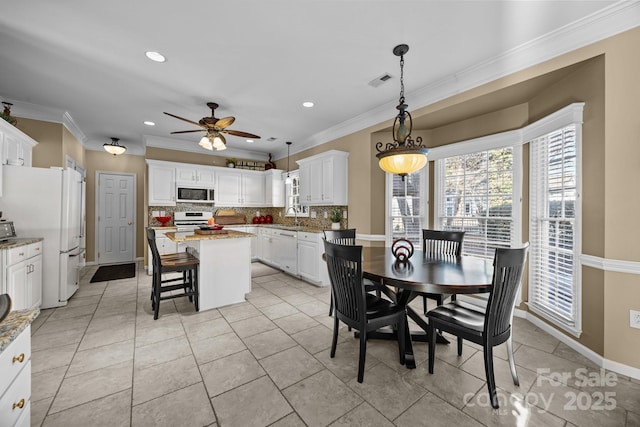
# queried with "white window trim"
point(424, 196)
point(287, 190)
point(569, 115)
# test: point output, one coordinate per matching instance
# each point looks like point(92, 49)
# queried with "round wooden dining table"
point(441, 274)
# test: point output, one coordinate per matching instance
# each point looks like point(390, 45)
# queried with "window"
point(407, 207)
point(477, 192)
point(554, 211)
point(293, 206)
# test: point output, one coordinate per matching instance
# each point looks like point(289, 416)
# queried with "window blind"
point(407, 208)
point(553, 288)
point(476, 195)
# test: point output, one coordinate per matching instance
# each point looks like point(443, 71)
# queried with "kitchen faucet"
point(295, 214)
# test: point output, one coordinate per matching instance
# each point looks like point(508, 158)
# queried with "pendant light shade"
point(404, 155)
point(114, 148)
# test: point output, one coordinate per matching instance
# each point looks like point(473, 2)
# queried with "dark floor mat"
point(114, 272)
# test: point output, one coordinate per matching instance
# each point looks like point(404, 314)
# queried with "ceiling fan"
point(214, 128)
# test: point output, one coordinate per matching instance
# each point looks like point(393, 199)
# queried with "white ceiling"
point(85, 62)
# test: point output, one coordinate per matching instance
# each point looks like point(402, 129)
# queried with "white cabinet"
point(311, 266)
point(268, 241)
point(201, 175)
point(16, 145)
point(240, 188)
point(323, 179)
point(161, 183)
point(23, 275)
point(274, 189)
point(164, 245)
point(15, 381)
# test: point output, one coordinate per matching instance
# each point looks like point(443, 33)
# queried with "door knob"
point(129, 223)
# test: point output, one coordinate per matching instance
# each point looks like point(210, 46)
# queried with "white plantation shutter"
point(554, 210)
point(476, 195)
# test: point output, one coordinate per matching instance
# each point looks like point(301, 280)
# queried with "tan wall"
point(48, 152)
point(72, 147)
point(100, 161)
point(154, 153)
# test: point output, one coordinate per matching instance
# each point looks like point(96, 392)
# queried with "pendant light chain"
point(401, 101)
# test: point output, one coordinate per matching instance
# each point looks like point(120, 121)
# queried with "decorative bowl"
point(163, 220)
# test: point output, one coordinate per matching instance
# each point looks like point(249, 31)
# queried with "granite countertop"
point(17, 242)
point(188, 236)
point(15, 323)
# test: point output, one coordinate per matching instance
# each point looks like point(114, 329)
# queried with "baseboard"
point(596, 358)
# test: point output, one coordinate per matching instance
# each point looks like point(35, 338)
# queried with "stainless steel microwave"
point(195, 194)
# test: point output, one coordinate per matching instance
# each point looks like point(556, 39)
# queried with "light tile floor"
point(103, 361)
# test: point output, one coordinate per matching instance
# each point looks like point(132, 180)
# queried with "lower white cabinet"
point(311, 266)
point(15, 381)
point(22, 275)
point(165, 246)
point(295, 252)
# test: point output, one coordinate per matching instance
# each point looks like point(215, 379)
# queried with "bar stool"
point(180, 262)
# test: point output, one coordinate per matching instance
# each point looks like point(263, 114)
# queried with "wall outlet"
point(313, 214)
point(344, 214)
point(634, 319)
point(326, 215)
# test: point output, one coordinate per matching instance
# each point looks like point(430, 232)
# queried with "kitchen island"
point(225, 265)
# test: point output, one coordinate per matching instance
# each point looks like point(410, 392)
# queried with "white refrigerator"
point(48, 203)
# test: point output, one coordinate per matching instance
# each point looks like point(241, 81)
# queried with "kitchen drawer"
point(34, 249)
point(19, 349)
point(310, 237)
point(15, 255)
point(25, 418)
point(15, 401)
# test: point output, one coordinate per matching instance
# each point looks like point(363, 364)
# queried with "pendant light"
point(404, 155)
point(288, 180)
point(114, 148)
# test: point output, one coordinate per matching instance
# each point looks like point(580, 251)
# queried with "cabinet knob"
point(18, 405)
point(38, 248)
point(19, 359)
point(20, 253)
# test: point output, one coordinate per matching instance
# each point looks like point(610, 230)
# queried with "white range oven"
point(191, 220)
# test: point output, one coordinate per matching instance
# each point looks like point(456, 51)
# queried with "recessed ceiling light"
point(250, 141)
point(155, 56)
point(148, 123)
point(307, 104)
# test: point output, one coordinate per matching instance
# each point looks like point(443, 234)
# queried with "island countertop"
point(189, 236)
point(15, 323)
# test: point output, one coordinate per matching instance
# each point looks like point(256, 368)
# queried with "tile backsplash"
point(278, 214)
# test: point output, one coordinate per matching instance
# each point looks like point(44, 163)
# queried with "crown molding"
point(615, 19)
point(193, 147)
point(72, 127)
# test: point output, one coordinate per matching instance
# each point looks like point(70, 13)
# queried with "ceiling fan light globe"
point(222, 147)
point(205, 143)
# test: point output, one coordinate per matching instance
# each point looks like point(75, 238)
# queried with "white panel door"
point(116, 210)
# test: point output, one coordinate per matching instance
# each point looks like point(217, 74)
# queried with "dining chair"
point(490, 327)
point(355, 307)
point(348, 237)
point(439, 242)
point(180, 262)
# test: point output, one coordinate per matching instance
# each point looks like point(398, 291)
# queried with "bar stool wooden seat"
point(179, 262)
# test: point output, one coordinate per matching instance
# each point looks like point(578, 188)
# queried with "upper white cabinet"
point(274, 188)
point(162, 183)
point(323, 178)
point(239, 188)
point(201, 175)
point(16, 145)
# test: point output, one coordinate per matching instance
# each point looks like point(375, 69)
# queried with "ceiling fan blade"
point(225, 122)
point(183, 119)
point(240, 133)
point(189, 131)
